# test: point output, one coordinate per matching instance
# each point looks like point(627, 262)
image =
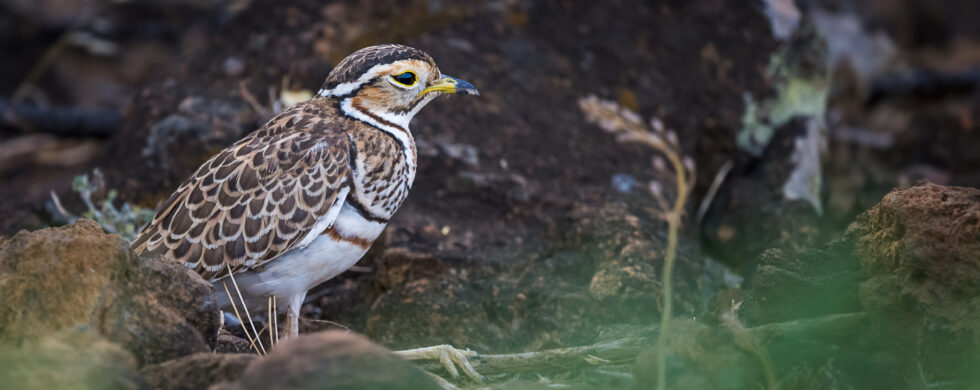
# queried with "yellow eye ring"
point(407, 79)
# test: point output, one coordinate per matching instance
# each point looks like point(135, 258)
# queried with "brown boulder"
point(700, 357)
point(331, 360)
point(197, 371)
point(72, 359)
point(921, 247)
point(431, 311)
point(61, 277)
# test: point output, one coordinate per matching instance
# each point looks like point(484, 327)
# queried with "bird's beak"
point(449, 84)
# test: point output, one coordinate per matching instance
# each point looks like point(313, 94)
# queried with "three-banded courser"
point(302, 198)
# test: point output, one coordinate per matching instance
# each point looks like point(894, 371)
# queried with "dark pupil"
point(406, 78)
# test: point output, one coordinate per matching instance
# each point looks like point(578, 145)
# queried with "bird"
point(301, 199)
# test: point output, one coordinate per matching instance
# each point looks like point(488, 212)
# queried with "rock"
point(813, 282)
point(494, 188)
point(200, 124)
point(751, 212)
point(61, 277)
point(430, 311)
point(628, 254)
point(198, 371)
point(229, 343)
point(692, 364)
point(921, 247)
point(77, 358)
point(331, 360)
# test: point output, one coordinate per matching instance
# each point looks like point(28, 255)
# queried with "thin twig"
point(41, 66)
point(61, 209)
point(252, 101)
point(627, 126)
point(275, 319)
point(673, 222)
point(272, 341)
point(239, 316)
point(713, 189)
point(326, 322)
point(625, 350)
point(746, 341)
point(231, 275)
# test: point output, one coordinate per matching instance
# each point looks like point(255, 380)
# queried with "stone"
point(700, 357)
point(197, 371)
point(814, 282)
point(430, 311)
point(921, 248)
point(57, 278)
point(229, 343)
point(331, 360)
point(76, 358)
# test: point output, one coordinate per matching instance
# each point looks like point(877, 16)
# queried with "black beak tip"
point(465, 87)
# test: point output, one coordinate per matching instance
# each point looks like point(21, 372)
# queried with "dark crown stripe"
point(358, 63)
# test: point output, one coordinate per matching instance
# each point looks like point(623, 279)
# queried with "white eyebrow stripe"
point(343, 89)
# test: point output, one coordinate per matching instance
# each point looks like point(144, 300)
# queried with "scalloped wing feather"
point(254, 200)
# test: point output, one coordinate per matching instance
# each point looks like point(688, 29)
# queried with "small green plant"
point(628, 126)
point(125, 220)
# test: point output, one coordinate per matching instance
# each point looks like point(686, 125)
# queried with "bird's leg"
point(292, 315)
point(449, 356)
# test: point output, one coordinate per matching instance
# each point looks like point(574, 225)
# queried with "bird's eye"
point(407, 79)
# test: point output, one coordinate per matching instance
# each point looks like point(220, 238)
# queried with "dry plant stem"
point(239, 316)
point(61, 209)
point(231, 275)
point(629, 128)
point(275, 320)
point(615, 351)
point(626, 350)
point(673, 225)
point(41, 66)
point(443, 383)
point(337, 324)
point(556, 360)
point(745, 341)
point(252, 101)
point(272, 341)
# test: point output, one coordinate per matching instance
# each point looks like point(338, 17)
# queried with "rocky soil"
point(528, 229)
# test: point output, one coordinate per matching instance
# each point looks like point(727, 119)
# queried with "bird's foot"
point(450, 358)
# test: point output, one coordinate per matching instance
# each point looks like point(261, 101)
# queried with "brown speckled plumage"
point(259, 197)
point(302, 198)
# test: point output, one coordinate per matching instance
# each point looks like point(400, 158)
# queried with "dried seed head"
point(659, 164)
point(656, 188)
point(656, 124)
point(689, 163)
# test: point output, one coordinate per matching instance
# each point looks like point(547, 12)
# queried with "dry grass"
point(253, 338)
point(628, 126)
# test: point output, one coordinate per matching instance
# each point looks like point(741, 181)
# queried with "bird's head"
point(390, 81)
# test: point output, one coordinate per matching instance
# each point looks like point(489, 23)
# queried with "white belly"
point(296, 271)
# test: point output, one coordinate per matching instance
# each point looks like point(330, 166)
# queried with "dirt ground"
point(527, 228)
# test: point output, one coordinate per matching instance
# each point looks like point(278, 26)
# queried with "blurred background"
point(528, 226)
